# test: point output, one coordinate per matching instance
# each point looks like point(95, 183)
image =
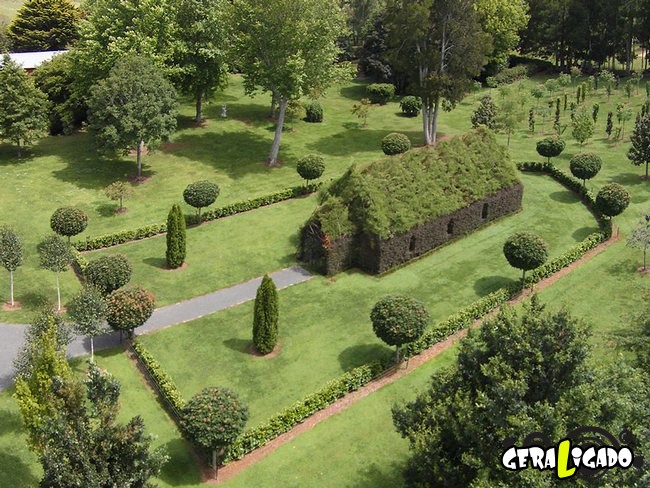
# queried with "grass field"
point(324, 323)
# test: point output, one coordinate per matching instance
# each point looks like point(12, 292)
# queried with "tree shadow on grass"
point(9, 155)
point(235, 153)
point(581, 233)
point(388, 475)
point(107, 209)
point(354, 91)
point(160, 263)
point(564, 196)
point(356, 140)
point(181, 469)
point(629, 179)
point(360, 354)
point(488, 284)
point(15, 472)
point(238, 345)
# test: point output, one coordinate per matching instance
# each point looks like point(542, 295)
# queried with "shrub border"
point(360, 376)
point(122, 237)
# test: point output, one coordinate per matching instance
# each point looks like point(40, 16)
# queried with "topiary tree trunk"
point(265, 318)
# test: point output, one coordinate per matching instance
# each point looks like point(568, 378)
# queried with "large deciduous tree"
point(503, 20)
point(44, 25)
point(288, 48)
point(201, 51)
point(134, 107)
point(111, 30)
point(442, 45)
point(11, 256)
point(23, 107)
point(516, 375)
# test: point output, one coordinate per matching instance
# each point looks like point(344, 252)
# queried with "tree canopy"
point(517, 374)
point(134, 107)
point(44, 25)
point(287, 48)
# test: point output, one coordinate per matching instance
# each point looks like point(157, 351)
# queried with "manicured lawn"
point(221, 253)
point(358, 447)
point(66, 170)
point(324, 324)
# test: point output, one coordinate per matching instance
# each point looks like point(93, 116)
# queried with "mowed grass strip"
point(324, 324)
point(220, 253)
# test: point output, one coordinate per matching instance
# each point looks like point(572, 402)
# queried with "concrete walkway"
point(12, 336)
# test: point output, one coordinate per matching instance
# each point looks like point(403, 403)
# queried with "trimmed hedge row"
point(575, 185)
point(166, 386)
point(292, 416)
point(79, 262)
point(362, 375)
point(122, 237)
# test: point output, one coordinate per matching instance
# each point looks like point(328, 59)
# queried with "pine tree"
point(485, 114)
point(610, 124)
point(175, 237)
point(23, 107)
point(44, 25)
point(265, 318)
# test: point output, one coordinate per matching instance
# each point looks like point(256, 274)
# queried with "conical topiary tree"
point(265, 317)
point(175, 237)
point(485, 114)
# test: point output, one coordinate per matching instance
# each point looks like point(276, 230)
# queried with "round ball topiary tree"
point(201, 194)
point(585, 166)
point(108, 273)
point(398, 320)
point(129, 308)
point(410, 106)
point(525, 251)
point(612, 200)
point(550, 147)
point(311, 167)
point(213, 418)
point(313, 111)
point(68, 221)
point(395, 143)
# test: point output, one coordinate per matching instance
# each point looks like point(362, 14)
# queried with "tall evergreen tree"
point(265, 317)
point(44, 25)
point(176, 246)
point(442, 45)
point(23, 107)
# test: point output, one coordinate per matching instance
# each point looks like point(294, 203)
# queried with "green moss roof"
point(397, 193)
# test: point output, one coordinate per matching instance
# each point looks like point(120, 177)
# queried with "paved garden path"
point(12, 336)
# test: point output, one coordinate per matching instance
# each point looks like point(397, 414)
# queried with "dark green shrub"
point(612, 199)
point(129, 308)
point(525, 251)
point(395, 143)
point(380, 93)
point(485, 114)
point(213, 419)
point(311, 167)
point(265, 317)
point(585, 166)
point(411, 106)
point(175, 237)
point(68, 221)
point(313, 111)
point(201, 194)
point(108, 273)
point(550, 147)
point(398, 320)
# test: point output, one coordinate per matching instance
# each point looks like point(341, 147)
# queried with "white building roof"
point(32, 60)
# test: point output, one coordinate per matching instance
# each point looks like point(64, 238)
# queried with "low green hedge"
point(292, 416)
point(122, 237)
point(362, 375)
point(79, 263)
point(165, 383)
